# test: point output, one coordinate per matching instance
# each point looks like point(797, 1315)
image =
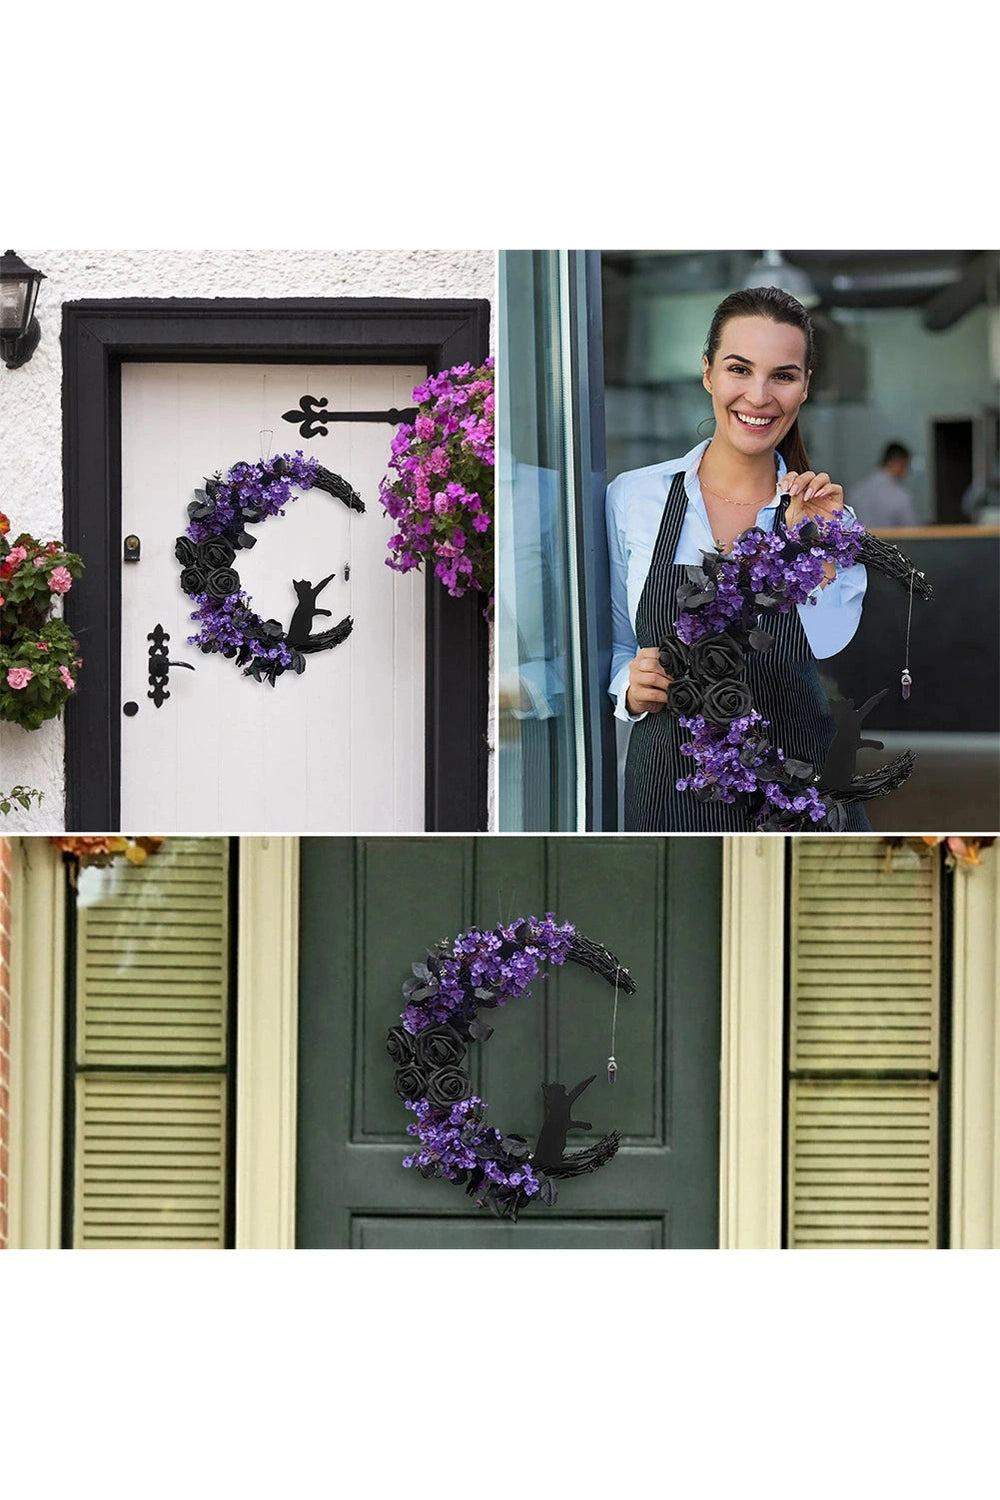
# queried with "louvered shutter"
point(863, 1046)
point(152, 998)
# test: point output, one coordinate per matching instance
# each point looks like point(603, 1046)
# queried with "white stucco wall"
point(30, 398)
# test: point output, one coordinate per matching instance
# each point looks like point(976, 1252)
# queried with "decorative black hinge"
point(312, 413)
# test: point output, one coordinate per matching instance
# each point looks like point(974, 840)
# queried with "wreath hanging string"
point(724, 604)
point(483, 970)
point(218, 519)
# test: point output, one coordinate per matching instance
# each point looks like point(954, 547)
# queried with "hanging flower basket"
point(443, 497)
point(39, 658)
point(102, 849)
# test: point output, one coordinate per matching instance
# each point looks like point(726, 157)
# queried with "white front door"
point(338, 748)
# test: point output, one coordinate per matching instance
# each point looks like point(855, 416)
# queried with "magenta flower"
point(19, 677)
point(67, 679)
point(441, 497)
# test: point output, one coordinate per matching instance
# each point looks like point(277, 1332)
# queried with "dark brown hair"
point(781, 307)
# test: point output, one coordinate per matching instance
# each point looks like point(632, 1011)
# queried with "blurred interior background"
point(906, 352)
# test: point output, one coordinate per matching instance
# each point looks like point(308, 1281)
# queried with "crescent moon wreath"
point(219, 516)
point(723, 606)
point(482, 970)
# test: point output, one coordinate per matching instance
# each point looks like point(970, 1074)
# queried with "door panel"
point(371, 907)
point(340, 746)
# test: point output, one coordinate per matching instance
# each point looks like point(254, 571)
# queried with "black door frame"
point(97, 337)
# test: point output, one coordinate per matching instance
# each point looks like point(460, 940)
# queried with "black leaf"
point(695, 601)
point(479, 1031)
point(836, 817)
point(800, 769)
point(760, 640)
point(245, 540)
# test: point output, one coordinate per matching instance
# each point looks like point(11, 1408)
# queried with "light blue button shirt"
point(635, 509)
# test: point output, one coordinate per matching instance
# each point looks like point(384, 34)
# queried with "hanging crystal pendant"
point(612, 1070)
point(905, 682)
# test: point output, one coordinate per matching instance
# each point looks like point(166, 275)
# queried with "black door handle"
point(159, 665)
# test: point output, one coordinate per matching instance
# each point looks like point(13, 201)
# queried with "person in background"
point(881, 499)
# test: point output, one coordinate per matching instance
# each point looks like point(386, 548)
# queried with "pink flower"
point(19, 677)
point(41, 646)
point(17, 555)
point(67, 679)
point(60, 580)
point(39, 562)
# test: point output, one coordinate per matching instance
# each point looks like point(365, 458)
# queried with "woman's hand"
point(647, 683)
point(813, 496)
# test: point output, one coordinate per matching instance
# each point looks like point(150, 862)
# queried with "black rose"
point(727, 700)
point(193, 580)
point(684, 698)
point(399, 1045)
point(185, 551)
point(715, 657)
point(222, 583)
point(410, 1082)
point(674, 657)
point(448, 1085)
point(439, 1047)
point(217, 552)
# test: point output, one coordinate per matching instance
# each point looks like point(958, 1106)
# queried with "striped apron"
point(786, 690)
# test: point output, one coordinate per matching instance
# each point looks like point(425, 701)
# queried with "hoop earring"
point(701, 425)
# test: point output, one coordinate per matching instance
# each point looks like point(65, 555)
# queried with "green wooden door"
point(371, 907)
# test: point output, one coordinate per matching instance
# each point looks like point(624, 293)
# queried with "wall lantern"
point(19, 330)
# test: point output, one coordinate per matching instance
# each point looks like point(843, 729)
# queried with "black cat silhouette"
point(305, 611)
point(558, 1123)
point(841, 760)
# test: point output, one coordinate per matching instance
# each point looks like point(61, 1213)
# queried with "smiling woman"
point(754, 472)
